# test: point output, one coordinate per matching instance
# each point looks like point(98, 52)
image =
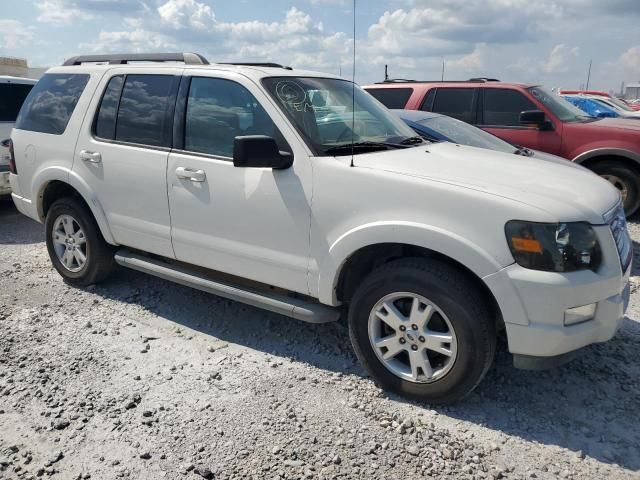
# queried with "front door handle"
point(191, 174)
point(92, 157)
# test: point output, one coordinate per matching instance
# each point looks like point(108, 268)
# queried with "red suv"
point(531, 116)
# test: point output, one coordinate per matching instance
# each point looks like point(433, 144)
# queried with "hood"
point(614, 123)
point(562, 190)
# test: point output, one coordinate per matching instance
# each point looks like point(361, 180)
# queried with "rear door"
point(458, 103)
point(499, 113)
point(123, 150)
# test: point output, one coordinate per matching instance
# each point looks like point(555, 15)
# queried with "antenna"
point(353, 86)
point(442, 77)
point(588, 75)
point(386, 72)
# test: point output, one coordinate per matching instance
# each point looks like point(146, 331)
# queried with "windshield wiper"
point(525, 152)
point(412, 140)
point(361, 147)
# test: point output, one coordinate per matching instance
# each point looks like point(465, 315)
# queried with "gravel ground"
point(140, 378)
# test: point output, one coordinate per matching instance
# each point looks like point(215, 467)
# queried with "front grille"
point(618, 224)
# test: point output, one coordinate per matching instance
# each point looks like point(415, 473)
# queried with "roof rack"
point(256, 64)
point(124, 58)
point(471, 80)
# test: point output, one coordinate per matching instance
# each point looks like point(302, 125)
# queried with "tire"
point(624, 179)
point(453, 299)
point(99, 255)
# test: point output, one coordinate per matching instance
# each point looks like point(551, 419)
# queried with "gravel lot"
point(140, 378)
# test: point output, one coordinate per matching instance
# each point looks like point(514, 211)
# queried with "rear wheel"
point(625, 180)
point(422, 330)
point(76, 247)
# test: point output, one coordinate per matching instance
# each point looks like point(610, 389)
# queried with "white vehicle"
point(13, 91)
point(624, 110)
point(226, 179)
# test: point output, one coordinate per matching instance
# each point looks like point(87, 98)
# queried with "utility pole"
point(442, 76)
point(588, 75)
point(386, 72)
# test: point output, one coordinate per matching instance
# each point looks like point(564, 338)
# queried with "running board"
point(278, 303)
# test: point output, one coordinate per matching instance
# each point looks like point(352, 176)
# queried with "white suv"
point(299, 193)
point(13, 91)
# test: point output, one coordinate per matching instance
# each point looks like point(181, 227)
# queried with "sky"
point(546, 42)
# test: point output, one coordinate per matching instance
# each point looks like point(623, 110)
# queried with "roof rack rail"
point(124, 58)
point(256, 64)
point(471, 80)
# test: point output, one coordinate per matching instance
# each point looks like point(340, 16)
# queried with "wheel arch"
point(352, 261)
point(590, 158)
point(60, 185)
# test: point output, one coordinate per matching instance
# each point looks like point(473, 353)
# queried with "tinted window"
point(503, 107)
point(51, 102)
point(106, 120)
point(392, 97)
point(455, 102)
point(12, 97)
point(427, 104)
point(220, 110)
point(142, 117)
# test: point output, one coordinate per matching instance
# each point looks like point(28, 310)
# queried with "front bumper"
point(533, 304)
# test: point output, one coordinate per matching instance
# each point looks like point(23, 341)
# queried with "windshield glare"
point(560, 107)
point(461, 132)
point(322, 110)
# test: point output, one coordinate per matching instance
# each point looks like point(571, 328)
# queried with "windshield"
point(618, 103)
point(461, 132)
point(321, 109)
point(559, 106)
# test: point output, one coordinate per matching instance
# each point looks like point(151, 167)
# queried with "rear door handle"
point(191, 174)
point(93, 157)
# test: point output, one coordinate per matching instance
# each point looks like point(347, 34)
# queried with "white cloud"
point(187, 14)
point(60, 12)
point(14, 34)
point(559, 59)
point(630, 60)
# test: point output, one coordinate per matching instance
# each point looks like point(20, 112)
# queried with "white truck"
point(13, 91)
point(299, 193)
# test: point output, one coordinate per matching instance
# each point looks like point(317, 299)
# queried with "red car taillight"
point(12, 158)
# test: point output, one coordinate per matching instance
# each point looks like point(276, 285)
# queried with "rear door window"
point(49, 105)
point(106, 119)
point(502, 107)
point(456, 102)
point(392, 97)
point(12, 97)
point(143, 116)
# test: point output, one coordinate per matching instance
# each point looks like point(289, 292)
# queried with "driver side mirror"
point(535, 118)
point(259, 151)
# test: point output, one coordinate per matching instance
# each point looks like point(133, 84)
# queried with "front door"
point(122, 154)
point(500, 115)
point(249, 222)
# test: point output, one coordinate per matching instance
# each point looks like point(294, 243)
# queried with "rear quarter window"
point(395, 98)
point(49, 105)
point(12, 96)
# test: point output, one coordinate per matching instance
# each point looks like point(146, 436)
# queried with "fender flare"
point(446, 243)
point(50, 174)
point(600, 152)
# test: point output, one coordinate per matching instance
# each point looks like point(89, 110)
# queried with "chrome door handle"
point(191, 174)
point(93, 157)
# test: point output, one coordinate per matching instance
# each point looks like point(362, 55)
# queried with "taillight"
point(12, 158)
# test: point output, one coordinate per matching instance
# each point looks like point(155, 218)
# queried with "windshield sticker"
point(292, 95)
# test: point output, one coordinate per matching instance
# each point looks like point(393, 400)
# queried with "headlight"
point(554, 247)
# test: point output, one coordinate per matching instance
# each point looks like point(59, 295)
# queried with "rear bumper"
point(5, 186)
point(25, 206)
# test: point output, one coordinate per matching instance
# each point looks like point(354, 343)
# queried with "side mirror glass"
point(259, 151)
point(536, 118)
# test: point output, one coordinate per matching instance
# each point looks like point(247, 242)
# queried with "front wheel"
point(76, 247)
point(625, 180)
point(422, 330)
